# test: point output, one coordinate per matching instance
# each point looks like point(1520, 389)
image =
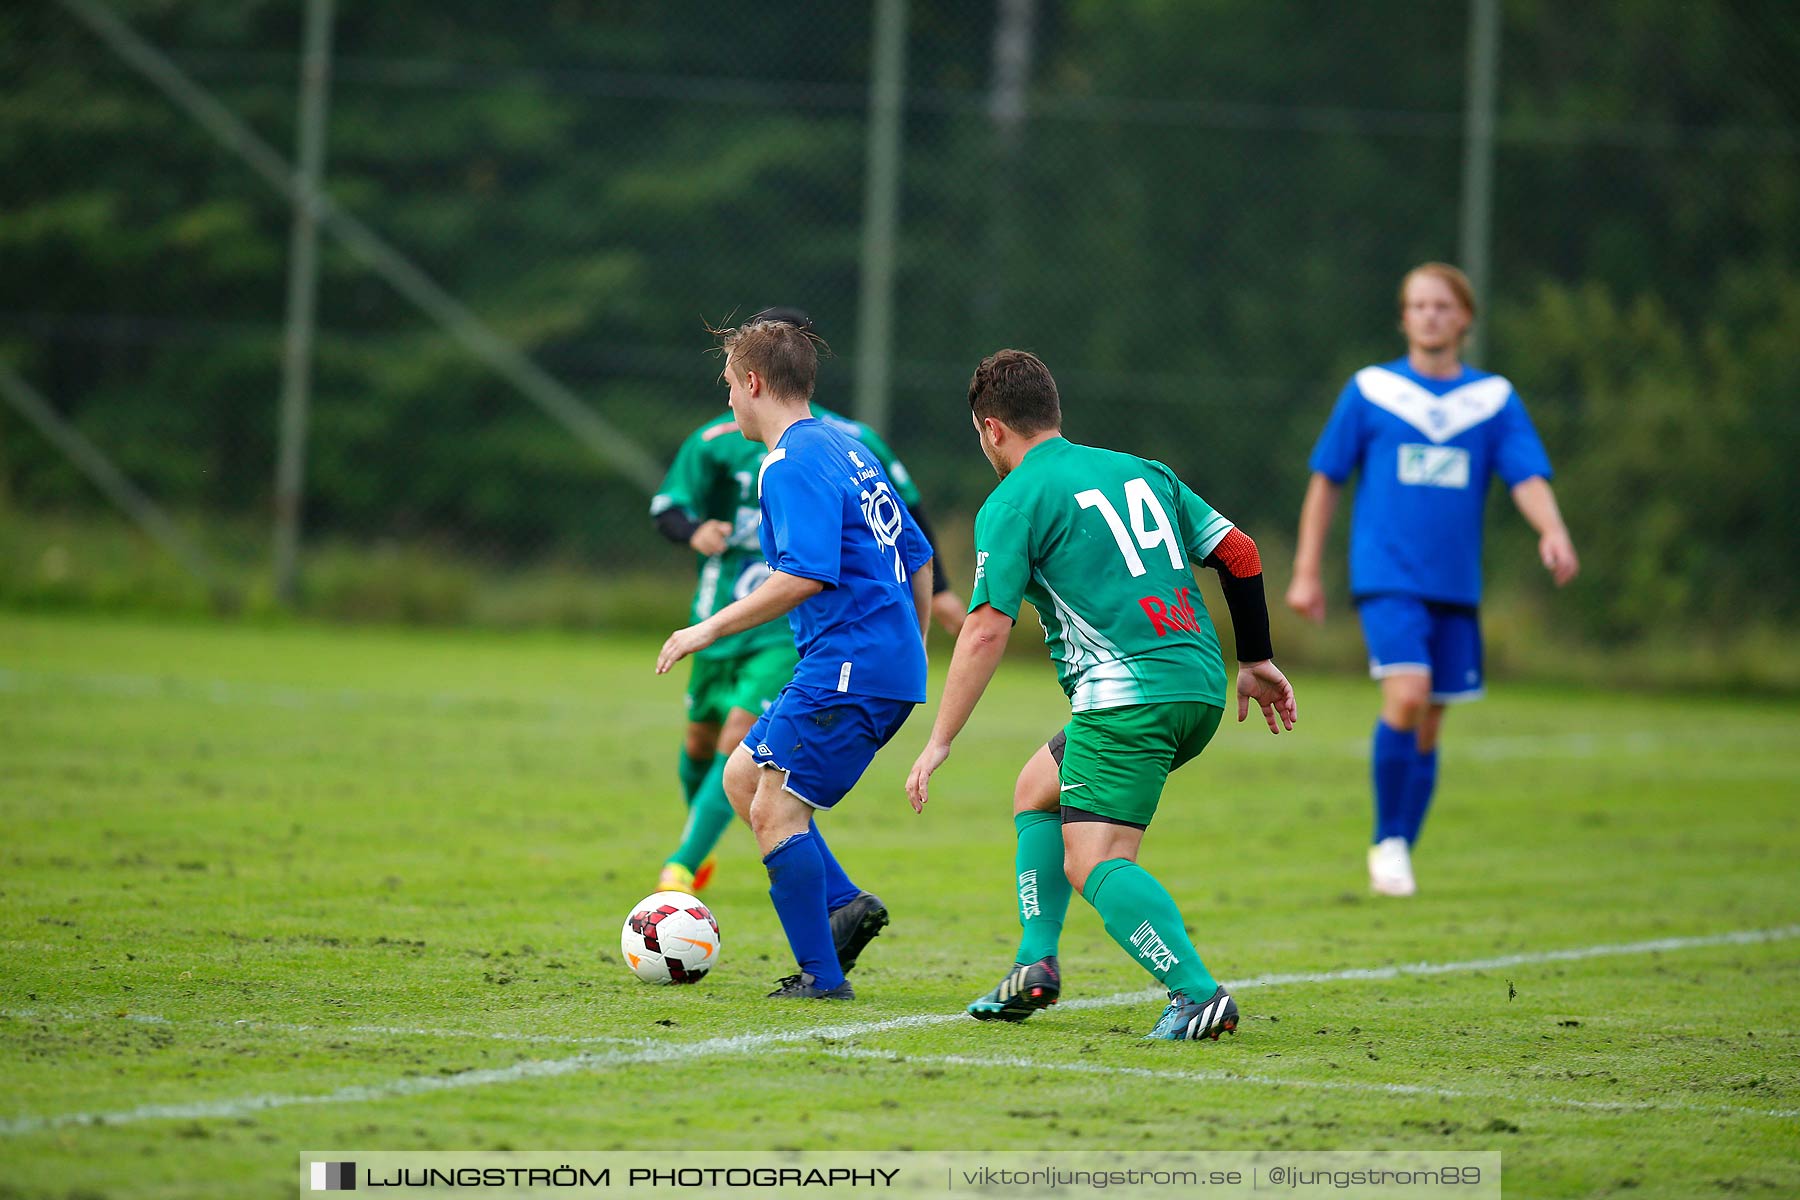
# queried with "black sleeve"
point(1249, 611)
point(674, 524)
point(940, 578)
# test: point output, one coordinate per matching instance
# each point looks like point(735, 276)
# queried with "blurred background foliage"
point(1196, 212)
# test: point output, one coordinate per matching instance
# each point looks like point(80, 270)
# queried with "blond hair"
point(1458, 283)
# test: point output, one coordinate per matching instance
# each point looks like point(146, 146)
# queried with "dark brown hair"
point(1015, 388)
point(785, 355)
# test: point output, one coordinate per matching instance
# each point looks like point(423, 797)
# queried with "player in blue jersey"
point(852, 571)
point(707, 502)
point(1423, 433)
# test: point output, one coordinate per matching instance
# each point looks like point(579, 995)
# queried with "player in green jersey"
point(708, 502)
point(1101, 544)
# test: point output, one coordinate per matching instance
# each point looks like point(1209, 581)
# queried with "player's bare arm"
point(1556, 550)
point(779, 594)
point(921, 595)
point(1306, 592)
point(949, 610)
point(978, 650)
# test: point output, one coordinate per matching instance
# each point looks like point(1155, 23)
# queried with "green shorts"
point(750, 682)
point(1114, 761)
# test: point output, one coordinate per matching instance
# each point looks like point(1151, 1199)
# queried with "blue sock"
point(839, 891)
point(1395, 751)
point(797, 887)
point(1421, 781)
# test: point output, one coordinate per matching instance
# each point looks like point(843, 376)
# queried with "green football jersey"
point(1100, 543)
point(713, 478)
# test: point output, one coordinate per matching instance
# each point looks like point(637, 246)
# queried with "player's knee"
point(1039, 787)
point(772, 820)
point(761, 816)
point(1404, 714)
point(1429, 726)
point(737, 726)
point(1076, 870)
point(740, 783)
point(1405, 700)
point(1035, 793)
point(701, 740)
point(761, 820)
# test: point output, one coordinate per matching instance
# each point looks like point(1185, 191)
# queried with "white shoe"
point(1390, 868)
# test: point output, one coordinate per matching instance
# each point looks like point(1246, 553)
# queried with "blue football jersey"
point(1423, 450)
point(830, 513)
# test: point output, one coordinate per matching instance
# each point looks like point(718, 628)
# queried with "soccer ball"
point(670, 937)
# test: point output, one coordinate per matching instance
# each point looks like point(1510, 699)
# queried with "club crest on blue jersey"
point(882, 512)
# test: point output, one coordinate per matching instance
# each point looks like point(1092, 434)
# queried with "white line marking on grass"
point(553, 1039)
point(1019, 1062)
point(38, 1014)
point(32, 1014)
point(744, 1043)
point(1747, 937)
point(354, 1094)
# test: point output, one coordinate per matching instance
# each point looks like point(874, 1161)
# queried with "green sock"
point(1141, 916)
point(692, 772)
point(1044, 890)
point(709, 816)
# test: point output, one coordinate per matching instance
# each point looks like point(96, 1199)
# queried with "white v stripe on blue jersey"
point(1424, 450)
point(773, 457)
point(1439, 418)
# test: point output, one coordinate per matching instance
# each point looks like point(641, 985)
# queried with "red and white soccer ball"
point(670, 937)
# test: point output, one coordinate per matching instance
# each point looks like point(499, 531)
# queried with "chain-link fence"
point(1197, 214)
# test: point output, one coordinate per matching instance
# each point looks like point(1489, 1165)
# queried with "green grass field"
point(267, 891)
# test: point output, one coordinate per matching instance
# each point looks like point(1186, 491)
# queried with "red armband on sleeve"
point(1237, 553)
point(1240, 579)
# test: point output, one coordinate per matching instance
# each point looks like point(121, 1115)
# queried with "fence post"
point(611, 444)
point(1015, 27)
point(881, 214)
point(303, 244)
point(1478, 155)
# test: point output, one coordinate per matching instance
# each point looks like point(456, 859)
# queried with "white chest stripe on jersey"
point(1439, 418)
point(774, 457)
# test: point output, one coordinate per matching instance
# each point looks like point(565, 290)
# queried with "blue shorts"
point(823, 740)
point(1406, 635)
